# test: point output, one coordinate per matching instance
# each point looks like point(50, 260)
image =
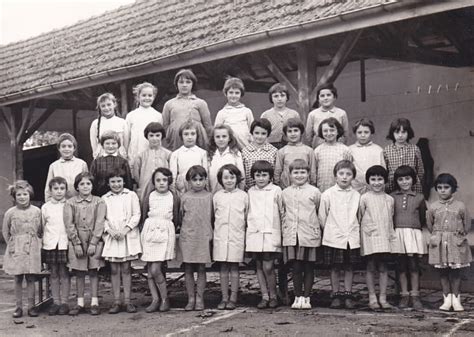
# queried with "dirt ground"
point(246, 320)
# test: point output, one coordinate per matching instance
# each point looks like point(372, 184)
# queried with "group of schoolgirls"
point(243, 188)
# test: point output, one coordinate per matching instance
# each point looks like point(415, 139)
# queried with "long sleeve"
point(323, 209)
point(430, 219)
point(422, 212)
point(166, 115)
point(361, 211)
point(174, 166)
point(99, 222)
point(47, 193)
point(136, 214)
point(240, 166)
point(279, 163)
point(206, 117)
point(93, 138)
point(137, 165)
point(129, 130)
point(6, 227)
point(249, 118)
point(176, 217)
point(419, 167)
point(466, 219)
point(126, 137)
point(309, 130)
point(219, 118)
point(313, 169)
point(345, 126)
point(205, 161)
point(128, 175)
point(70, 225)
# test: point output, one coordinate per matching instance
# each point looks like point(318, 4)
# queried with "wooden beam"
point(123, 99)
point(306, 75)
point(82, 104)
point(279, 75)
point(363, 96)
point(16, 147)
point(26, 121)
point(6, 122)
point(74, 122)
point(339, 60)
point(41, 119)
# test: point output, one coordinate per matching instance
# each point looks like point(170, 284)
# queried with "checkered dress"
point(251, 154)
point(101, 167)
point(326, 157)
point(396, 156)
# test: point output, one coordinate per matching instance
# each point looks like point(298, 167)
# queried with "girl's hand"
point(125, 231)
point(78, 251)
point(91, 250)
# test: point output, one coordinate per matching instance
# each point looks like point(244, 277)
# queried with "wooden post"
point(16, 114)
point(362, 81)
point(123, 99)
point(74, 122)
point(306, 75)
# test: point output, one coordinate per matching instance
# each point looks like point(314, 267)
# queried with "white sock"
point(80, 301)
point(94, 301)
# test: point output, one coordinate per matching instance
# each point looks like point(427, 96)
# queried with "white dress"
point(158, 234)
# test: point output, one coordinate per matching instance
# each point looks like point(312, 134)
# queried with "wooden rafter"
point(26, 121)
point(275, 71)
point(33, 127)
point(6, 122)
point(306, 75)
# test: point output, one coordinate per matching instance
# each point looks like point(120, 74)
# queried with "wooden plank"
point(6, 122)
point(26, 121)
point(279, 75)
point(41, 119)
point(339, 60)
point(306, 75)
point(123, 99)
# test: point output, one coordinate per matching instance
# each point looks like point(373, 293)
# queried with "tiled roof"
point(148, 30)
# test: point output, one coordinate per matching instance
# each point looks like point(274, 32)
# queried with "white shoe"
point(457, 306)
point(448, 301)
point(306, 303)
point(297, 303)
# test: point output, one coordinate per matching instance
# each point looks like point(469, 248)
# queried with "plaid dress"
point(396, 156)
point(251, 154)
point(101, 167)
point(327, 155)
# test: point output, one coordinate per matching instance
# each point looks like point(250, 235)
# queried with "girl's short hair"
point(234, 83)
point(188, 125)
point(117, 172)
point(299, 164)
point(446, 178)
point(83, 175)
point(164, 171)
point(404, 171)
point(138, 89)
point(21, 185)
point(234, 146)
point(333, 123)
point(262, 166)
point(57, 180)
point(293, 123)
point(262, 123)
point(278, 87)
point(66, 136)
point(232, 170)
point(327, 86)
point(185, 73)
point(376, 170)
point(344, 164)
point(109, 134)
point(364, 122)
point(194, 171)
point(397, 125)
point(154, 127)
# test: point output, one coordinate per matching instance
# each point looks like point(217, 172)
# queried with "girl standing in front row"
point(263, 237)
point(409, 218)
point(22, 233)
point(449, 251)
point(84, 217)
point(230, 206)
point(122, 237)
point(161, 209)
point(196, 235)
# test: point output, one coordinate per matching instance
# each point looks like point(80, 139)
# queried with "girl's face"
point(344, 177)
point(58, 191)
point(405, 183)
point(445, 191)
point(146, 97)
point(229, 180)
point(110, 146)
point(66, 149)
point(377, 183)
point(107, 108)
point(326, 99)
point(22, 198)
point(279, 99)
point(363, 134)
point(299, 176)
point(233, 96)
point(260, 135)
point(262, 179)
point(189, 137)
point(400, 136)
point(329, 133)
point(221, 137)
point(185, 86)
point(84, 187)
point(116, 184)
point(293, 135)
point(197, 183)
point(154, 138)
point(161, 183)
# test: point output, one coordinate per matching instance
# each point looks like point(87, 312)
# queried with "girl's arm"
point(240, 165)
point(136, 169)
point(136, 214)
point(47, 193)
point(174, 168)
point(93, 138)
point(422, 211)
point(466, 219)
point(249, 118)
point(281, 210)
point(361, 211)
point(309, 129)
point(128, 175)
point(430, 219)
point(219, 118)
point(205, 161)
point(166, 115)
point(176, 217)
point(345, 126)
point(205, 117)
point(6, 226)
point(68, 217)
point(312, 168)
point(323, 209)
point(279, 163)
point(99, 223)
point(419, 167)
point(126, 137)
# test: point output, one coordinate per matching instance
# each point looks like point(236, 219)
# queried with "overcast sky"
point(21, 19)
